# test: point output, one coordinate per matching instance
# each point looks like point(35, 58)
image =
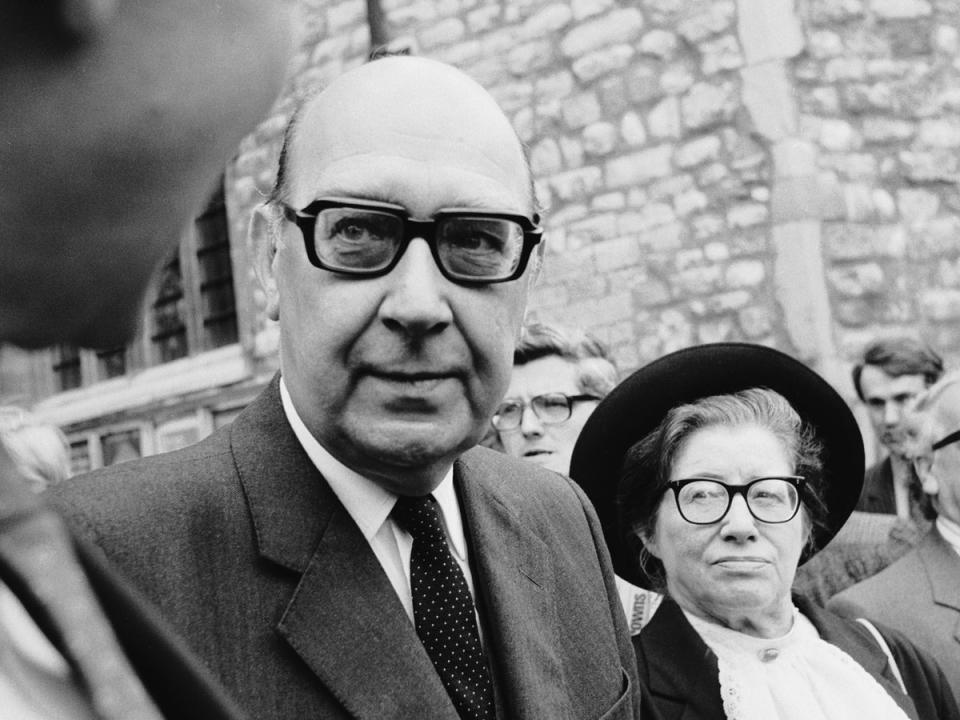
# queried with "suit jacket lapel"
point(942, 566)
point(862, 649)
point(344, 619)
point(514, 581)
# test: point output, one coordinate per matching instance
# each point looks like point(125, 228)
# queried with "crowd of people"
point(347, 548)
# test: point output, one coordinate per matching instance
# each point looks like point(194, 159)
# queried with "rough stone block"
point(939, 166)
point(659, 43)
point(545, 157)
point(769, 30)
point(857, 281)
point(942, 305)
point(677, 79)
point(618, 26)
point(838, 135)
point(555, 86)
point(576, 184)
point(663, 120)
point(882, 130)
point(639, 167)
point(823, 44)
point(821, 101)
point(599, 138)
point(547, 22)
point(608, 201)
point(614, 253)
point(707, 104)
point(939, 133)
point(530, 57)
point(720, 54)
point(705, 19)
point(483, 18)
point(709, 225)
point(755, 322)
point(651, 216)
point(900, 9)
point(745, 273)
point(583, 9)
point(572, 150)
point(747, 214)
point(698, 151)
point(917, 207)
point(795, 198)
point(690, 202)
point(581, 110)
point(698, 281)
point(602, 62)
point(720, 329)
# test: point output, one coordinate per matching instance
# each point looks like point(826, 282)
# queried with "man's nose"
point(739, 523)
point(892, 412)
point(416, 302)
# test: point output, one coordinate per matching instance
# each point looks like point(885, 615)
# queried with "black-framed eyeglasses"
point(948, 440)
point(366, 239)
point(551, 408)
point(704, 501)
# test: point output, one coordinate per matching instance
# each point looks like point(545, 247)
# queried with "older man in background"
point(319, 550)
point(116, 119)
point(920, 593)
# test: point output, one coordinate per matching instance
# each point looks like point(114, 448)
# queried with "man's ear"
point(923, 465)
point(264, 233)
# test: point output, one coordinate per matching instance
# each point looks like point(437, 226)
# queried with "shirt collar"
point(367, 502)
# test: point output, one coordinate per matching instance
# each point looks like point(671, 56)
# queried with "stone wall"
point(765, 170)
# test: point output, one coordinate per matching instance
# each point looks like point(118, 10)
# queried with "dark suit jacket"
point(877, 495)
point(180, 686)
point(679, 676)
point(247, 551)
point(919, 595)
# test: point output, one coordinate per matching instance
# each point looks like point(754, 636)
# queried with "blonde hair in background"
point(39, 449)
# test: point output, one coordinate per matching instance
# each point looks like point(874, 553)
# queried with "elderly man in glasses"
point(920, 593)
point(340, 551)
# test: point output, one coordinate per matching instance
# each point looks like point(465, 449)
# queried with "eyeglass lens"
point(550, 408)
point(467, 247)
point(770, 500)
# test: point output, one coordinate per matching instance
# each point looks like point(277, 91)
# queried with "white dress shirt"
point(950, 531)
point(370, 505)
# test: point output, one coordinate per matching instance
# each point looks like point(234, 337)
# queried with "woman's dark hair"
point(649, 462)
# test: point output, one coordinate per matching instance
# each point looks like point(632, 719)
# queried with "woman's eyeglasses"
point(703, 501)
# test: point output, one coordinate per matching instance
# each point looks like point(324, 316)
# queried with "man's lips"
point(413, 381)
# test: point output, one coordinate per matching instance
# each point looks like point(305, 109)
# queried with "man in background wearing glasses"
point(319, 551)
point(919, 594)
point(558, 378)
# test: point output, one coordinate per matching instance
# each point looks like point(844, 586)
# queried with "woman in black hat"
point(716, 470)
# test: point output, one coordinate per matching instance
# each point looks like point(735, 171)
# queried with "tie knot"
point(419, 516)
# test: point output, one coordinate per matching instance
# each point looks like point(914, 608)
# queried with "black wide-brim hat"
point(639, 404)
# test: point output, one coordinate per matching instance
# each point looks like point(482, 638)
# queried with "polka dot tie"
point(443, 610)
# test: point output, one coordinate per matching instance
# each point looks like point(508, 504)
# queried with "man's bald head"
point(378, 102)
